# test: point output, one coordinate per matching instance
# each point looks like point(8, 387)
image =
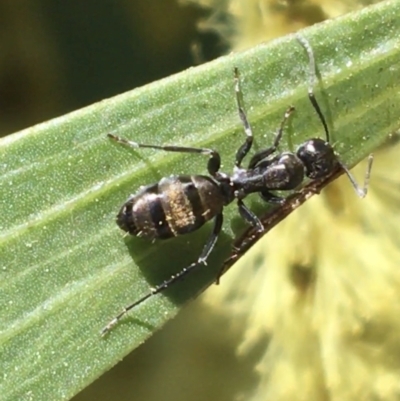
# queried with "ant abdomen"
point(174, 206)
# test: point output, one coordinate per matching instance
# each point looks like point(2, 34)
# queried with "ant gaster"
point(181, 204)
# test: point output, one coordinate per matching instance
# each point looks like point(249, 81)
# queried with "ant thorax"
point(239, 173)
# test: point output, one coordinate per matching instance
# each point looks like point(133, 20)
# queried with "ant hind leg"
point(214, 163)
point(205, 253)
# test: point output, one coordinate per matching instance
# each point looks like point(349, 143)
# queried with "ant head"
point(318, 157)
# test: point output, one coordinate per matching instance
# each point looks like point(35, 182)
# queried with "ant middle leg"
point(205, 253)
point(271, 198)
point(249, 216)
point(262, 154)
point(214, 163)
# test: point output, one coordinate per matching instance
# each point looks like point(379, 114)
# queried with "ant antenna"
point(361, 191)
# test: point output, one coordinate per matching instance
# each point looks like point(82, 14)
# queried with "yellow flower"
point(245, 23)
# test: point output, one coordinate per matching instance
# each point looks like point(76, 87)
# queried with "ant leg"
point(245, 148)
point(262, 154)
point(205, 253)
point(270, 198)
point(249, 216)
point(214, 163)
point(361, 191)
point(312, 68)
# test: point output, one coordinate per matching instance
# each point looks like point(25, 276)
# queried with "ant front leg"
point(360, 191)
point(205, 253)
point(214, 163)
point(262, 154)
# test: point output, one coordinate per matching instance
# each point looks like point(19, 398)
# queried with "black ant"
point(181, 204)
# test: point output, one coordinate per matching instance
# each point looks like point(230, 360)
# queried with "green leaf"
point(66, 268)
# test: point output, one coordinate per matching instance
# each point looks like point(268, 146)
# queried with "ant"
point(181, 204)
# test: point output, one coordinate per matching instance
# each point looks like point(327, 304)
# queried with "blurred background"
point(58, 56)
